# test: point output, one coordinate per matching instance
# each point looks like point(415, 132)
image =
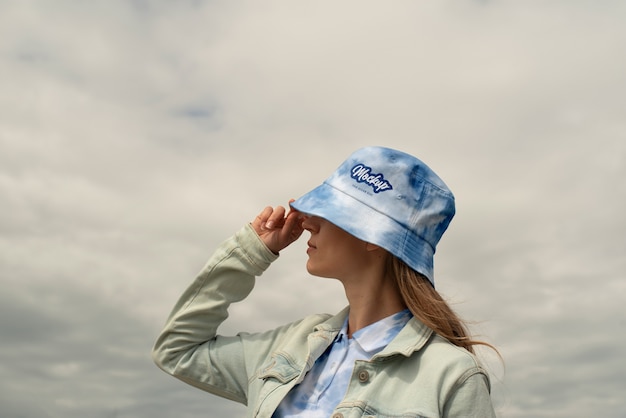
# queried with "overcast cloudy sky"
point(137, 135)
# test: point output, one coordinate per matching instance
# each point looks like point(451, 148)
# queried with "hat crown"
point(395, 184)
point(389, 198)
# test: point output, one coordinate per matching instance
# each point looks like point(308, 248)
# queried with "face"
point(332, 251)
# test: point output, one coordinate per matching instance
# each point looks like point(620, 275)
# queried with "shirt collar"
point(376, 336)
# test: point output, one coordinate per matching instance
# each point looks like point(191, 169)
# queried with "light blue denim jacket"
point(419, 374)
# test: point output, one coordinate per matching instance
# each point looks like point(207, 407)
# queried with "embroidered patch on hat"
point(363, 174)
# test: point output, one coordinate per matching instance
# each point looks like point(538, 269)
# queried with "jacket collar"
point(334, 323)
point(411, 338)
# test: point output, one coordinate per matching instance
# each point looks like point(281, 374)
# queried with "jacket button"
point(337, 415)
point(364, 376)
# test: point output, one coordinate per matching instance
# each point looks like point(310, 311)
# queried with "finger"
point(276, 219)
point(262, 218)
point(291, 208)
point(293, 226)
point(266, 213)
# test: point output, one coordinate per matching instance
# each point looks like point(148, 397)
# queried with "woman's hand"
point(276, 230)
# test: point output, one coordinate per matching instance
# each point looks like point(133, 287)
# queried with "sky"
point(135, 136)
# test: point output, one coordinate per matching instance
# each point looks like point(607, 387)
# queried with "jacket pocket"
point(270, 384)
point(279, 368)
point(375, 415)
point(368, 411)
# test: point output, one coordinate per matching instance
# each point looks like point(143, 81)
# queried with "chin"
point(318, 272)
point(311, 270)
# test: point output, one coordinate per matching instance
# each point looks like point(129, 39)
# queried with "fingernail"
point(269, 224)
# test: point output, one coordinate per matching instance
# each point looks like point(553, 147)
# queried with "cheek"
point(324, 263)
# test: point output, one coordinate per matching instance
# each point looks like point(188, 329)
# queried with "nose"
point(310, 223)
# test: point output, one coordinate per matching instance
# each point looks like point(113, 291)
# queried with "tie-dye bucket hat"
point(388, 198)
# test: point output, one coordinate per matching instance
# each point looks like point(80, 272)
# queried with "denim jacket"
point(419, 374)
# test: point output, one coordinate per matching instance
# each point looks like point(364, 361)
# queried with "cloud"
point(135, 136)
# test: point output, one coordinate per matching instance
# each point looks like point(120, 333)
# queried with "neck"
point(371, 301)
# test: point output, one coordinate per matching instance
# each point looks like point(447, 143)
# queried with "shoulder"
point(441, 347)
point(452, 360)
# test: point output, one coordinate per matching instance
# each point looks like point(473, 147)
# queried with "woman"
point(397, 350)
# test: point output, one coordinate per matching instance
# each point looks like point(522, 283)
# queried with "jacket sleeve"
point(471, 399)
point(188, 347)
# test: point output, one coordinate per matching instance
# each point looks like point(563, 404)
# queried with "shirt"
point(325, 384)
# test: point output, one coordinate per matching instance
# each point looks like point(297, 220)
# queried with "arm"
point(471, 399)
point(188, 347)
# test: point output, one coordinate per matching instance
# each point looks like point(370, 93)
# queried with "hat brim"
point(369, 225)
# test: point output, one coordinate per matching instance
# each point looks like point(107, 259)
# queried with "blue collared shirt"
point(326, 383)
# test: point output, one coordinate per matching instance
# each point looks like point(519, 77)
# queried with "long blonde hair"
point(427, 305)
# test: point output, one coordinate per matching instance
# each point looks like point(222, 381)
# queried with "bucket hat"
point(388, 198)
